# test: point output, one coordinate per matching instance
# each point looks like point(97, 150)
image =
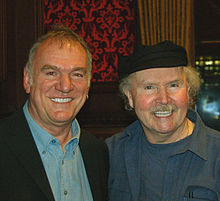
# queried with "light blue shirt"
point(65, 170)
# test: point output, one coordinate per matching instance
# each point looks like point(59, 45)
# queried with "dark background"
point(103, 113)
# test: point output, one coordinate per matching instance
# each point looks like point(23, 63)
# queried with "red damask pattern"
point(107, 26)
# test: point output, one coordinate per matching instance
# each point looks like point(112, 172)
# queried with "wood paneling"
point(3, 35)
point(22, 22)
point(103, 113)
point(207, 29)
point(168, 20)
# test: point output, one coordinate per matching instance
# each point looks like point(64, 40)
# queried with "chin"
point(63, 117)
point(164, 130)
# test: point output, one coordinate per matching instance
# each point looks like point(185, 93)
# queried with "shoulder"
point(207, 144)
point(117, 143)
point(89, 142)
point(204, 130)
point(213, 136)
point(15, 120)
point(200, 125)
point(213, 148)
point(212, 132)
point(88, 138)
point(129, 134)
point(114, 139)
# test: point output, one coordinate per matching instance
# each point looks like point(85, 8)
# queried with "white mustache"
point(163, 108)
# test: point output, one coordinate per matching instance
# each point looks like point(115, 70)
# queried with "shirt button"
point(65, 192)
point(53, 141)
point(43, 152)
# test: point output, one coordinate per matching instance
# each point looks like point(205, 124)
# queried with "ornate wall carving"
point(106, 25)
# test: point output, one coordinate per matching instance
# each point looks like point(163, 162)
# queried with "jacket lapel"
point(89, 162)
point(23, 146)
point(96, 161)
point(132, 162)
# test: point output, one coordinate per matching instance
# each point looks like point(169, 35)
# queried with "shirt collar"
point(198, 144)
point(198, 141)
point(43, 138)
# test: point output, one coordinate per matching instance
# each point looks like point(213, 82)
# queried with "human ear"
point(130, 99)
point(27, 84)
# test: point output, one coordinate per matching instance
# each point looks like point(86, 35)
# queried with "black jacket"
point(22, 175)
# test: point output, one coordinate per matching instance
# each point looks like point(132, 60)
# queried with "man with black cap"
point(168, 154)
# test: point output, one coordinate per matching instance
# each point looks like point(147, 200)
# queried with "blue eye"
point(51, 73)
point(78, 75)
point(148, 87)
point(174, 85)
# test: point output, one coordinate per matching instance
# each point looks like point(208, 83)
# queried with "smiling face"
point(60, 83)
point(160, 99)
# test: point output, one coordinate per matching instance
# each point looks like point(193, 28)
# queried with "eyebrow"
point(179, 80)
point(153, 83)
point(48, 67)
point(146, 82)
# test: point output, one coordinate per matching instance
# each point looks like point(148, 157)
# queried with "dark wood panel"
point(103, 113)
point(207, 29)
point(22, 24)
point(3, 35)
point(207, 17)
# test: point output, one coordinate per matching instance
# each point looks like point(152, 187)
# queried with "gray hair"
point(192, 78)
point(62, 34)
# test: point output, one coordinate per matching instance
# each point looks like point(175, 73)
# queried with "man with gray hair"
point(168, 153)
point(45, 156)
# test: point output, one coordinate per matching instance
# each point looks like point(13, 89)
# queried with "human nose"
point(162, 96)
point(65, 84)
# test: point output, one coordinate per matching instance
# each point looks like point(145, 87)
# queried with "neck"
point(63, 139)
point(180, 133)
point(62, 134)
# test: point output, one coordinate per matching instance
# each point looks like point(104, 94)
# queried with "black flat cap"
point(165, 54)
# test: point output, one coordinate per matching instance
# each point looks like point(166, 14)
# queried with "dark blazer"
point(22, 175)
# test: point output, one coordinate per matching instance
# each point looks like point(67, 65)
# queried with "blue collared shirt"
point(65, 170)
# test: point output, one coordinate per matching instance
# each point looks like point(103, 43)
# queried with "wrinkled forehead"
point(157, 74)
point(50, 46)
point(56, 51)
point(61, 42)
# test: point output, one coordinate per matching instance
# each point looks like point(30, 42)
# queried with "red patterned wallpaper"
point(107, 26)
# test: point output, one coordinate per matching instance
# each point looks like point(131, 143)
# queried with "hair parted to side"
point(59, 33)
point(192, 78)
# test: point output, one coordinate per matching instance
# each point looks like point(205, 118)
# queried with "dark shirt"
point(154, 160)
point(191, 173)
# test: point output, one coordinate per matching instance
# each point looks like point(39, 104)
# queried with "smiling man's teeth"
point(163, 114)
point(61, 100)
